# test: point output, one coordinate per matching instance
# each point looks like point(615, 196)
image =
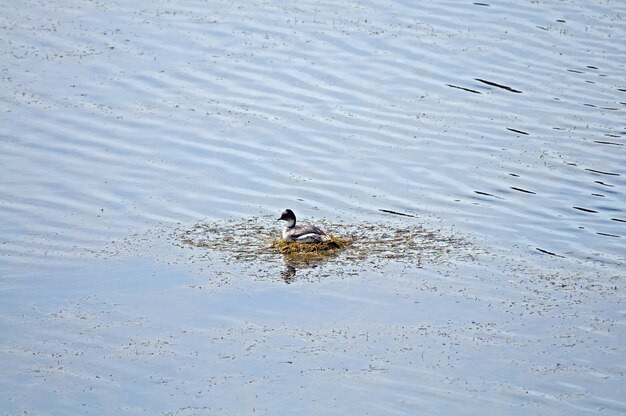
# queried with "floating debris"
point(493, 84)
point(256, 240)
point(517, 131)
point(388, 211)
point(549, 253)
point(464, 89)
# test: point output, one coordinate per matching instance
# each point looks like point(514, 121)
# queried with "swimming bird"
point(301, 233)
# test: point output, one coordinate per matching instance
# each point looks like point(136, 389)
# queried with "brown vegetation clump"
point(311, 250)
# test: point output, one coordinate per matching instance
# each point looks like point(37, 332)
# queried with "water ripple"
point(502, 121)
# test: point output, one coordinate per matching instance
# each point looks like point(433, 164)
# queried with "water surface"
point(495, 128)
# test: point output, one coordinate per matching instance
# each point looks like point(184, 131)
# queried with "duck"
point(301, 233)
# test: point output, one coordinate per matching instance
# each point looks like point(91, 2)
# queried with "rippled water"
point(497, 124)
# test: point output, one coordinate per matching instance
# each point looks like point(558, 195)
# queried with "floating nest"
point(310, 251)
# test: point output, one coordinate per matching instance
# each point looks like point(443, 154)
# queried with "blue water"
point(496, 125)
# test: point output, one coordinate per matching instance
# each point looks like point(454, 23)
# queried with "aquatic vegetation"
point(311, 251)
point(361, 244)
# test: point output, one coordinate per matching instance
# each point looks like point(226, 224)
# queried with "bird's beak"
point(278, 219)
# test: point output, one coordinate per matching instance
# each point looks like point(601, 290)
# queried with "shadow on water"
point(363, 245)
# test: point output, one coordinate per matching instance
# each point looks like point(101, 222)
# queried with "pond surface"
point(475, 152)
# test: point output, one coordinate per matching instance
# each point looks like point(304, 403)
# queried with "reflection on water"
point(474, 152)
point(289, 274)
